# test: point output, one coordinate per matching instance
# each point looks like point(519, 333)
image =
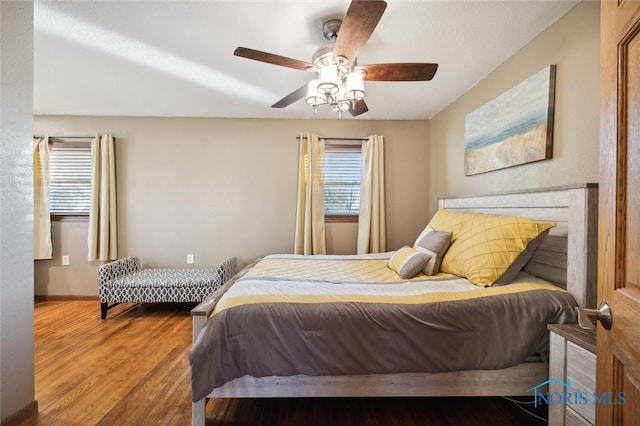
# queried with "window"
point(69, 179)
point(342, 182)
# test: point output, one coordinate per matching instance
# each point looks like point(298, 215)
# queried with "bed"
point(564, 260)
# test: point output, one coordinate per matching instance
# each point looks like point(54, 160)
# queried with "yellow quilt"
point(325, 279)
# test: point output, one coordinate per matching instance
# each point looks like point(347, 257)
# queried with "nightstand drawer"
point(572, 375)
point(581, 371)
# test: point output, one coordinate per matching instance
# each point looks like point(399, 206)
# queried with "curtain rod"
point(66, 137)
point(339, 139)
point(69, 137)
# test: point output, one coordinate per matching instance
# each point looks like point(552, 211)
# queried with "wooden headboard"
point(569, 255)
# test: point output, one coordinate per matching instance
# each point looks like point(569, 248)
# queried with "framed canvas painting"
point(514, 128)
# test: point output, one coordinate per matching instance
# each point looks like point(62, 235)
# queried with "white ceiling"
point(175, 58)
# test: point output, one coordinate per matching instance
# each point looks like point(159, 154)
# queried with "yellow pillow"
point(447, 221)
point(487, 245)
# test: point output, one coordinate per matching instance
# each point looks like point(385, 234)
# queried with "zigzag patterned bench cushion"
point(163, 285)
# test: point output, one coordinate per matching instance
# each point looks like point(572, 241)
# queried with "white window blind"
point(342, 180)
point(69, 178)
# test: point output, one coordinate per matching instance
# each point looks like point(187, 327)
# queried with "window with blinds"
point(342, 180)
point(69, 179)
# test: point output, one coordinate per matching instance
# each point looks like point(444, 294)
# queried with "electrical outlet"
point(65, 260)
point(189, 259)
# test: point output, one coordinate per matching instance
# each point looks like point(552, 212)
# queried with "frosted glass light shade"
point(313, 97)
point(328, 80)
point(355, 86)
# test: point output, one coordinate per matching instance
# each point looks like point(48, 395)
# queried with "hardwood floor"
point(132, 369)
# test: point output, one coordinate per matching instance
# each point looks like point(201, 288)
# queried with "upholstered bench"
point(124, 281)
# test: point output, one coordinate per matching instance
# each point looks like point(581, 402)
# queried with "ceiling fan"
point(340, 82)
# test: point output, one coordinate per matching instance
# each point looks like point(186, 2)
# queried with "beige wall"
point(572, 44)
point(17, 390)
point(222, 187)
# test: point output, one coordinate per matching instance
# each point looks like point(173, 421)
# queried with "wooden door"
point(618, 349)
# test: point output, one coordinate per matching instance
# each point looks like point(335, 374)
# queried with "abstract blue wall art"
point(514, 128)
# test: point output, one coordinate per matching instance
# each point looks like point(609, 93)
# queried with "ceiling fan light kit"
point(337, 87)
point(340, 81)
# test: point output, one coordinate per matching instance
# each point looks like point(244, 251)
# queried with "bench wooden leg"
point(104, 307)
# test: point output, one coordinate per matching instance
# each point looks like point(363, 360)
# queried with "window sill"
point(70, 217)
point(347, 218)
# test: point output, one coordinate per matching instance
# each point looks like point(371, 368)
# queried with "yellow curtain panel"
point(309, 234)
point(42, 246)
point(372, 220)
point(103, 230)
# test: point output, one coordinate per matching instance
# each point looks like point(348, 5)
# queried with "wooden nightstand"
point(572, 361)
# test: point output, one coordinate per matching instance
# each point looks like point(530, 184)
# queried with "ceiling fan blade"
point(292, 97)
point(356, 28)
point(399, 72)
point(271, 58)
point(359, 107)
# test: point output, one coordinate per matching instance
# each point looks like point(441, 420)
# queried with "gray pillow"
point(434, 243)
point(408, 261)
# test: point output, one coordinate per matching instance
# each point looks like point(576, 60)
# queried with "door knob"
point(588, 317)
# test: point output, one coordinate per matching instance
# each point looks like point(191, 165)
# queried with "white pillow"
point(434, 243)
